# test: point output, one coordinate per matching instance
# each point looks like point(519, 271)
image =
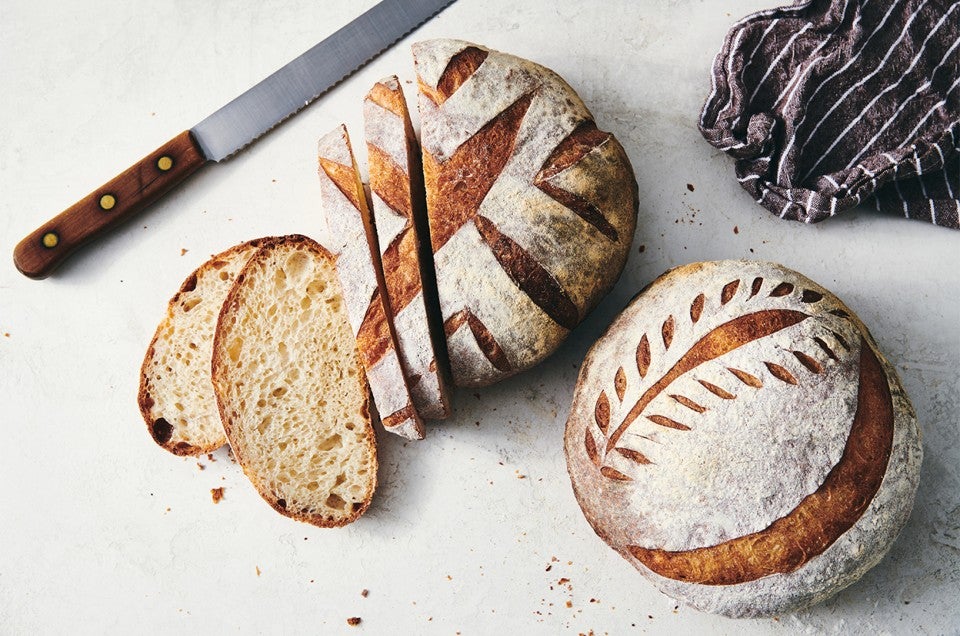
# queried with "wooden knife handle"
point(120, 198)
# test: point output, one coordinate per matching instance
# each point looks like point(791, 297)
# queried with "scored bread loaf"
point(350, 227)
point(738, 437)
point(291, 388)
point(396, 187)
point(532, 208)
point(176, 396)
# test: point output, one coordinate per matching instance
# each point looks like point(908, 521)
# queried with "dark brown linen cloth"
point(830, 103)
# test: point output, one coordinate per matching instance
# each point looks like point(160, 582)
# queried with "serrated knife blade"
point(225, 132)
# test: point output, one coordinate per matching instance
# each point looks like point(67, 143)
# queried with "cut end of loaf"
point(291, 389)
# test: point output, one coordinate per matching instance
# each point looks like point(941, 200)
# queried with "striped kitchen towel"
point(830, 103)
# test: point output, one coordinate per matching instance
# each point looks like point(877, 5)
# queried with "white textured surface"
point(102, 531)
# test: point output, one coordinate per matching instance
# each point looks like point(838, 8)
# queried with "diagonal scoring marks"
point(529, 275)
point(826, 348)
point(581, 141)
point(728, 291)
point(459, 69)
point(591, 447)
point(456, 187)
point(719, 392)
point(373, 336)
point(634, 456)
point(780, 373)
point(811, 364)
point(342, 177)
point(662, 420)
point(485, 340)
point(643, 356)
point(696, 308)
point(393, 183)
point(614, 474)
point(687, 402)
point(746, 378)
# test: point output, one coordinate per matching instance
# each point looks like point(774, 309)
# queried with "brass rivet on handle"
point(50, 240)
point(165, 163)
point(107, 202)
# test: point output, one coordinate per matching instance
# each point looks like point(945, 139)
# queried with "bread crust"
point(532, 208)
point(220, 372)
point(396, 185)
point(186, 431)
point(351, 226)
point(737, 436)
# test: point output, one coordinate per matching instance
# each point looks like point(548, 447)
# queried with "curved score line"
point(820, 518)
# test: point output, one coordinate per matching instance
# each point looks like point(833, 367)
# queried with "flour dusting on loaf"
point(532, 208)
point(396, 188)
point(738, 437)
point(350, 226)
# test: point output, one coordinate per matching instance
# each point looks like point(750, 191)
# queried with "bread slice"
point(176, 397)
point(351, 228)
point(290, 386)
point(399, 209)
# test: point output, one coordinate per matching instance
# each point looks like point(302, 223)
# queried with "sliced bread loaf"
point(350, 227)
point(290, 386)
point(176, 397)
point(399, 209)
point(532, 207)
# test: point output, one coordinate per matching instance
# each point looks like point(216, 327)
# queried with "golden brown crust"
point(343, 177)
point(515, 170)
point(803, 485)
point(456, 187)
point(819, 520)
point(458, 70)
point(376, 334)
point(388, 99)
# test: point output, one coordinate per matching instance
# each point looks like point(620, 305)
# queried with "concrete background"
point(474, 530)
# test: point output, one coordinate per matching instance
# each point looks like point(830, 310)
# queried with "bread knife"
point(224, 133)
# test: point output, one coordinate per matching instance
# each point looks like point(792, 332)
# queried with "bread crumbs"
point(217, 494)
point(257, 568)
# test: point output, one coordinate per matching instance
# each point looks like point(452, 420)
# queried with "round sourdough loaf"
point(737, 436)
point(531, 207)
